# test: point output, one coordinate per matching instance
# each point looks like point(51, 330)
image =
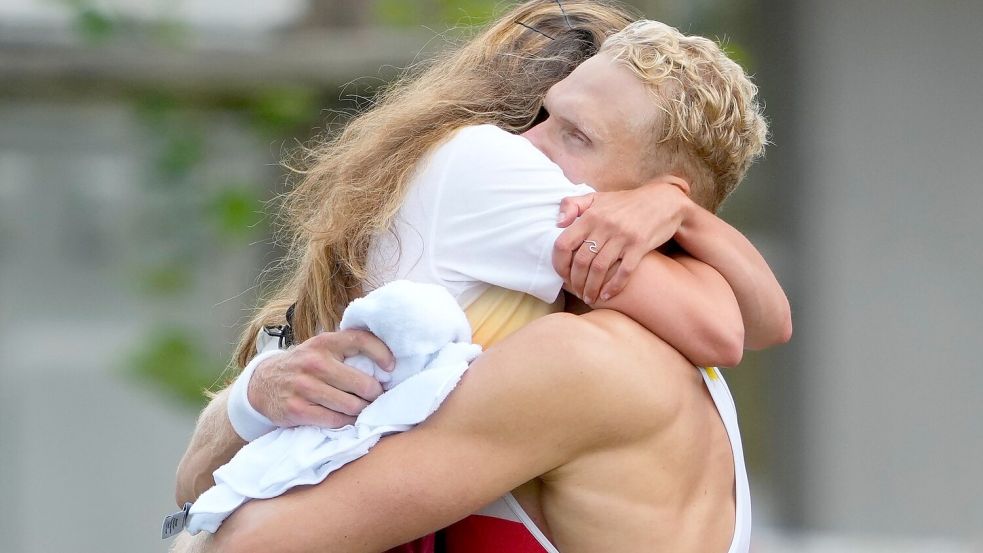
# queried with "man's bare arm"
point(212, 445)
point(502, 426)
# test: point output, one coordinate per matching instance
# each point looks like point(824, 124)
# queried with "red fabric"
point(482, 534)
point(422, 545)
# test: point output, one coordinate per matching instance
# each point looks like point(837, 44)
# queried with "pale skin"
point(629, 477)
point(684, 287)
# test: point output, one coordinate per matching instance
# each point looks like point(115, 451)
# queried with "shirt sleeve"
point(496, 212)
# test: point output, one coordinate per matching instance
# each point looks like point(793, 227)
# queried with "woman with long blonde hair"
point(356, 180)
point(354, 191)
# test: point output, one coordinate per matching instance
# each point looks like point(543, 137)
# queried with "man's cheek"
point(573, 170)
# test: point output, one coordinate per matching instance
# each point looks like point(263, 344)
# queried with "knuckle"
point(321, 340)
point(352, 340)
point(354, 406)
point(304, 387)
point(293, 409)
point(330, 419)
point(354, 337)
point(318, 344)
point(309, 365)
point(369, 388)
point(336, 420)
point(364, 389)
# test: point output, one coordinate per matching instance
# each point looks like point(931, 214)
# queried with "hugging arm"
point(486, 439)
point(213, 443)
point(686, 303)
point(764, 305)
point(628, 226)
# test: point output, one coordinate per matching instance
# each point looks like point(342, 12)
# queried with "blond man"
point(655, 465)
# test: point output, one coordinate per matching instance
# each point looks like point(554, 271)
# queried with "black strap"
point(284, 332)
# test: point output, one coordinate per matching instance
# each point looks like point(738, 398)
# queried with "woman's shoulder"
point(486, 132)
point(491, 145)
point(485, 162)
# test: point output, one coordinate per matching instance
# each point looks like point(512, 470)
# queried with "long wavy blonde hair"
point(354, 182)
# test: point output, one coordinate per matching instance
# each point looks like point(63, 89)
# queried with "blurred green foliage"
point(277, 111)
point(737, 52)
point(401, 13)
point(236, 211)
point(397, 12)
point(180, 153)
point(175, 360)
point(93, 24)
point(190, 214)
point(189, 211)
point(164, 280)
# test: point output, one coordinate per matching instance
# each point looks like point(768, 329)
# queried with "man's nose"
point(538, 136)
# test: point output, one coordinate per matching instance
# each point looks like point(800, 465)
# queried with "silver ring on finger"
point(592, 246)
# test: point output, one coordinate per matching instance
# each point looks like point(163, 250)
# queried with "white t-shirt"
point(481, 211)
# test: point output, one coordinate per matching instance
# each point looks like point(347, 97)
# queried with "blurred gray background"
point(140, 140)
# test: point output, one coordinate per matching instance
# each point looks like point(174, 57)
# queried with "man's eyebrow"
point(574, 120)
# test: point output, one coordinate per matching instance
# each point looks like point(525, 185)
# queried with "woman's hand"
point(310, 384)
point(608, 233)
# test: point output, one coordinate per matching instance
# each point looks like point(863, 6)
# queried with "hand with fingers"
point(607, 234)
point(310, 384)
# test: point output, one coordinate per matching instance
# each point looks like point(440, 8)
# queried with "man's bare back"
point(671, 489)
point(632, 455)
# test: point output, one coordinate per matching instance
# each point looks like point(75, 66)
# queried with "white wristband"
point(248, 423)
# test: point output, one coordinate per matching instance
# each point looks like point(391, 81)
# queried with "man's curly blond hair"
point(712, 127)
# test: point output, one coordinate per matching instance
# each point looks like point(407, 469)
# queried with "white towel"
point(429, 336)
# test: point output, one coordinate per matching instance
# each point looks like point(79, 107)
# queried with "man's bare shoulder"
point(608, 362)
point(602, 337)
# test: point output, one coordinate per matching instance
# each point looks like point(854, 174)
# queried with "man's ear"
point(675, 180)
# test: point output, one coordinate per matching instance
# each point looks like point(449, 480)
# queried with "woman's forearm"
point(627, 225)
point(686, 303)
point(764, 307)
point(213, 443)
